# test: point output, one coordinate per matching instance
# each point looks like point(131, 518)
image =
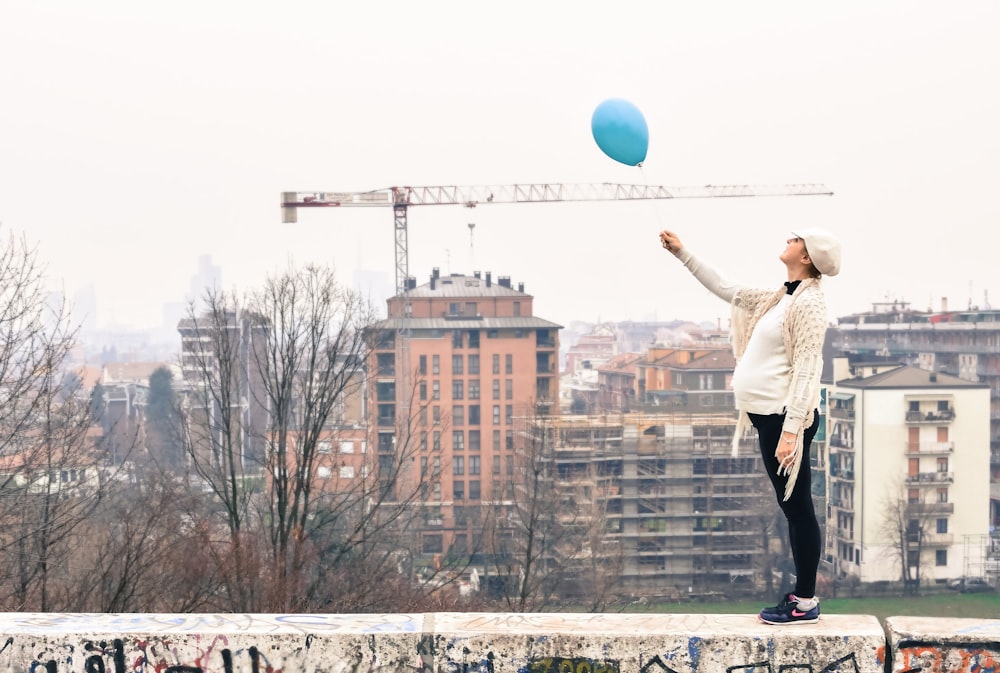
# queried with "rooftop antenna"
point(472, 245)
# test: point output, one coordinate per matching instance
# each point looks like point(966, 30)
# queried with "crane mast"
point(401, 198)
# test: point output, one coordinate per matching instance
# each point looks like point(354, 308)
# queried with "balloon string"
point(653, 203)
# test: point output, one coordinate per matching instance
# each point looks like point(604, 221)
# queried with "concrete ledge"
point(939, 644)
point(435, 642)
point(650, 643)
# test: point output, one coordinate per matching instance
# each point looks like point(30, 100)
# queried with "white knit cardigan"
point(803, 328)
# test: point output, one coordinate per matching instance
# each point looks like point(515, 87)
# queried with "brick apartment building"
point(454, 362)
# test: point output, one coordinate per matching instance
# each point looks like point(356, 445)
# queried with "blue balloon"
point(620, 131)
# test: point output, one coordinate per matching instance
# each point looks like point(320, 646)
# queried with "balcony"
point(930, 478)
point(938, 417)
point(930, 539)
point(846, 534)
point(840, 443)
point(932, 507)
point(840, 473)
point(835, 412)
point(929, 448)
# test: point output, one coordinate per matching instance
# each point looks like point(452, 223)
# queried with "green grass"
point(977, 606)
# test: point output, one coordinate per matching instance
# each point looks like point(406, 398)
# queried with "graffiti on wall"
point(925, 656)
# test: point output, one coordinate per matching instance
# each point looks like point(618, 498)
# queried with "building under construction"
point(681, 515)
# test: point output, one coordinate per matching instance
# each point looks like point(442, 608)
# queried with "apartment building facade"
point(964, 343)
point(908, 474)
point(454, 362)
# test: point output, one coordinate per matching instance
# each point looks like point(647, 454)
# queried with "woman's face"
point(795, 251)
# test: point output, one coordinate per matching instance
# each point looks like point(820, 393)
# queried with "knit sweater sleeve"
point(708, 276)
point(807, 331)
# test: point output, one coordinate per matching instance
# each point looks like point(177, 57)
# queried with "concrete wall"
point(489, 643)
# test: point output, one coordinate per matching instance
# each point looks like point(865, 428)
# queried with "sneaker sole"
point(794, 621)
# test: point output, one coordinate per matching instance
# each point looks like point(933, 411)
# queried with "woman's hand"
point(670, 241)
point(785, 453)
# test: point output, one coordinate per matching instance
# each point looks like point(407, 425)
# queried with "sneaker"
point(787, 611)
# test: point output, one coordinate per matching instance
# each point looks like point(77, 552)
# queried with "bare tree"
point(269, 381)
point(905, 528)
point(214, 413)
point(544, 537)
point(49, 469)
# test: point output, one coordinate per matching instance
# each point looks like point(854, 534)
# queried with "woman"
point(777, 338)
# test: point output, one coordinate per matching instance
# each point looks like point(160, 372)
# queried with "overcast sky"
point(137, 136)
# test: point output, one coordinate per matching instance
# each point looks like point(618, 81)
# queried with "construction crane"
point(401, 198)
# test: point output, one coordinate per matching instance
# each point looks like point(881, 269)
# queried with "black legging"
point(804, 534)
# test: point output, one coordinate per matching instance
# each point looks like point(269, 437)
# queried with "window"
point(517, 308)
point(436, 413)
point(458, 389)
point(474, 414)
point(423, 441)
point(508, 364)
point(678, 379)
point(474, 493)
point(456, 339)
point(496, 364)
point(496, 464)
point(474, 467)
point(347, 447)
point(423, 364)
point(942, 495)
point(941, 557)
point(496, 414)
point(942, 464)
point(436, 389)
point(474, 440)
point(474, 389)
point(322, 446)
point(458, 440)
point(942, 526)
point(509, 389)
point(436, 491)
point(496, 440)
point(458, 465)
point(509, 415)
point(510, 465)
point(347, 472)
point(323, 472)
point(510, 439)
point(432, 544)
point(496, 389)
point(423, 415)
point(474, 364)
point(437, 440)
point(435, 364)
point(458, 490)
point(474, 339)
point(458, 415)
point(423, 390)
point(457, 365)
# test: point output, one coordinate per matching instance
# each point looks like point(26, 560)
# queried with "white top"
point(763, 375)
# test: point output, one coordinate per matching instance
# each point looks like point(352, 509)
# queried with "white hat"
point(823, 249)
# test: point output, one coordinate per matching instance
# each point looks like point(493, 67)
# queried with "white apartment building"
point(914, 446)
